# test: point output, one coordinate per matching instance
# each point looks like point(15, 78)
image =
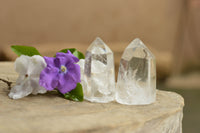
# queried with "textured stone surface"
point(136, 83)
point(53, 114)
point(99, 73)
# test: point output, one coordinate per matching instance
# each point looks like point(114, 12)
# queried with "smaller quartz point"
point(136, 83)
point(98, 80)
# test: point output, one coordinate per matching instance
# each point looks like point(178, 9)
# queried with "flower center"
point(63, 69)
point(26, 76)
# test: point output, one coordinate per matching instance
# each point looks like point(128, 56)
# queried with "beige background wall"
point(51, 25)
point(80, 21)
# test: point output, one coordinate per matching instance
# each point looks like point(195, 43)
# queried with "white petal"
point(22, 90)
point(81, 63)
point(84, 82)
point(36, 87)
point(36, 65)
point(39, 90)
point(20, 79)
point(21, 64)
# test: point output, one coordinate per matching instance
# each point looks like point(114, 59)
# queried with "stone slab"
point(53, 114)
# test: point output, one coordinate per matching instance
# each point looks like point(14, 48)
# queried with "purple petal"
point(66, 83)
point(66, 58)
point(69, 52)
point(61, 54)
point(74, 71)
point(49, 61)
point(73, 57)
point(49, 78)
point(57, 63)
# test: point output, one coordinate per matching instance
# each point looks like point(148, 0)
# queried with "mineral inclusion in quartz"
point(136, 83)
point(98, 79)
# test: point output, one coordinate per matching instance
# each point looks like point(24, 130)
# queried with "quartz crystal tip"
point(99, 47)
point(136, 83)
point(138, 49)
point(136, 43)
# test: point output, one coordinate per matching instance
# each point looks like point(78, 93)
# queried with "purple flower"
point(61, 72)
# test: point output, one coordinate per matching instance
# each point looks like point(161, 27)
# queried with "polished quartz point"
point(136, 83)
point(99, 75)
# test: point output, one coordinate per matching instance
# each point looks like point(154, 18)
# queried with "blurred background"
point(171, 30)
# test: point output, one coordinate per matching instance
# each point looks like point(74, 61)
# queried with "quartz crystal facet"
point(99, 75)
point(136, 83)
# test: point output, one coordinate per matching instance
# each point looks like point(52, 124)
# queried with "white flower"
point(29, 69)
point(81, 63)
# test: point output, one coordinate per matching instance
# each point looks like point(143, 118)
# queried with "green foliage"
point(75, 94)
point(75, 52)
point(25, 50)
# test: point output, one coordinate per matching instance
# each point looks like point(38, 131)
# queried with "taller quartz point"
point(136, 83)
point(99, 74)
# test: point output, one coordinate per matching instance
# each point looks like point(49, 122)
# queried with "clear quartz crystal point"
point(136, 83)
point(99, 74)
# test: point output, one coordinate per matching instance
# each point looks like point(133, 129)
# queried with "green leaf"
point(75, 94)
point(70, 49)
point(24, 50)
point(78, 54)
point(75, 52)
